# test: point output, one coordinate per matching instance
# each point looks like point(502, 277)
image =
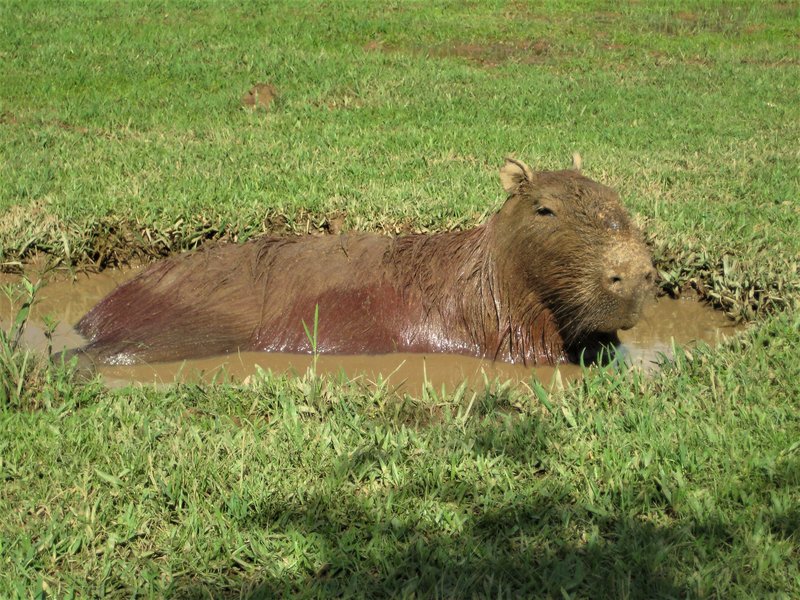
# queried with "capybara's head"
point(567, 239)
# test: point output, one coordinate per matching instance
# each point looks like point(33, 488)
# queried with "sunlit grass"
point(122, 137)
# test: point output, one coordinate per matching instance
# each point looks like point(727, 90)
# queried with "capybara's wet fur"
point(559, 266)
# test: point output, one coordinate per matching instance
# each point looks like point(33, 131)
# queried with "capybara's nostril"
point(646, 275)
point(629, 279)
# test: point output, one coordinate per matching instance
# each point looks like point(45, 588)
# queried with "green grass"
point(122, 137)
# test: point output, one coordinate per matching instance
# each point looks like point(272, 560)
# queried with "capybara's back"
point(186, 306)
point(229, 298)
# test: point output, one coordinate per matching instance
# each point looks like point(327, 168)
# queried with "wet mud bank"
point(666, 323)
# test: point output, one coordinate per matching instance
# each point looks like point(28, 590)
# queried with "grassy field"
point(123, 137)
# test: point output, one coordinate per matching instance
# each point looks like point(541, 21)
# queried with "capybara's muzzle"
point(628, 282)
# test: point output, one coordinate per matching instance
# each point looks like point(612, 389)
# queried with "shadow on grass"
point(488, 559)
point(544, 544)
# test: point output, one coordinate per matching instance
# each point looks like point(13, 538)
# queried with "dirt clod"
point(260, 96)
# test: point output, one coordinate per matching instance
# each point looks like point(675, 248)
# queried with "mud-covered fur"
point(558, 267)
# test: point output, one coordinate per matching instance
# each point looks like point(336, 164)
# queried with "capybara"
point(558, 267)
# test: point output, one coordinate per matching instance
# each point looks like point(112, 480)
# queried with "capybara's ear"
point(513, 173)
point(577, 161)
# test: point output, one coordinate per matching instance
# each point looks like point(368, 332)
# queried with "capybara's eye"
point(544, 211)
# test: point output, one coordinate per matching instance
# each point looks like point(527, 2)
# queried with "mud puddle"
point(666, 322)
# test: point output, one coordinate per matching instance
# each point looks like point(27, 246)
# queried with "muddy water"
point(665, 323)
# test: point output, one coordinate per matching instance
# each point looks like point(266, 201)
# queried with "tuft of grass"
point(17, 364)
point(29, 380)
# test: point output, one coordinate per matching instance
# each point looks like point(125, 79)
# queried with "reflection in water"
point(665, 323)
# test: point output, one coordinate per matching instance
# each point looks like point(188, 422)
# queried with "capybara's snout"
point(628, 280)
point(630, 277)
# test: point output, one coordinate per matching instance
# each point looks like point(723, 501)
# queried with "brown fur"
point(560, 265)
